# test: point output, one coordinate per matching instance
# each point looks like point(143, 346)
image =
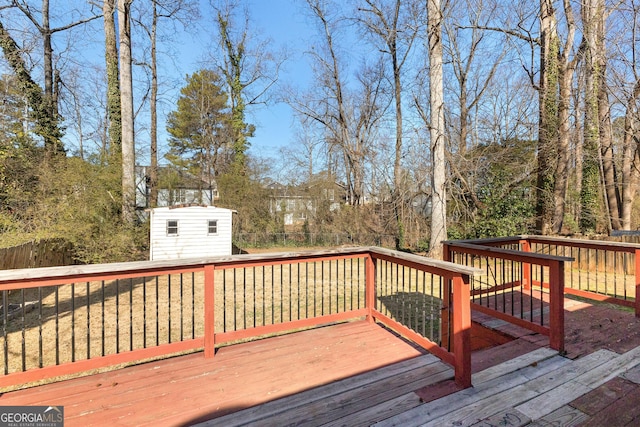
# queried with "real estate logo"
point(31, 416)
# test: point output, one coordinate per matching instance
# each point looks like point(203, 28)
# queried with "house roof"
point(191, 206)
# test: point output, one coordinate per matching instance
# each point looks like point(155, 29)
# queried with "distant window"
point(172, 227)
point(213, 226)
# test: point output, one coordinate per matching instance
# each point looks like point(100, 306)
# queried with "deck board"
point(329, 390)
point(191, 388)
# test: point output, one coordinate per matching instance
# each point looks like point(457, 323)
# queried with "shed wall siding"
point(193, 239)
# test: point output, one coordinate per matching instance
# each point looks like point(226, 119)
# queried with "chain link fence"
point(257, 240)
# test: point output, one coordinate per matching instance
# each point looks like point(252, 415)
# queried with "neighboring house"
point(174, 188)
point(190, 232)
point(297, 204)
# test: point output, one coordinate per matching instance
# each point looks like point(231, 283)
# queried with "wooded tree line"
point(462, 118)
point(540, 111)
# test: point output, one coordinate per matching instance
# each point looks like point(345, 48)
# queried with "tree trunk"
point(114, 114)
point(630, 159)
point(589, 199)
point(126, 96)
point(153, 106)
point(548, 119)
point(562, 166)
point(566, 69)
point(612, 193)
point(436, 102)
point(609, 174)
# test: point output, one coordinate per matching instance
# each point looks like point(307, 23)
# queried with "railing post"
point(556, 305)
point(370, 286)
point(446, 252)
point(462, 330)
point(525, 246)
point(637, 282)
point(209, 313)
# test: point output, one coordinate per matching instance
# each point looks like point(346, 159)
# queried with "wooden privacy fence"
point(35, 254)
point(95, 316)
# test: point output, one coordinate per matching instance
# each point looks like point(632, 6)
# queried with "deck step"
point(327, 403)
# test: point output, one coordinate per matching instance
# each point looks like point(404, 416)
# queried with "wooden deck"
point(358, 373)
point(188, 389)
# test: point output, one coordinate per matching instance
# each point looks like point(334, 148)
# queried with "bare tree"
point(182, 11)
point(250, 69)
point(395, 25)
point(126, 98)
point(348, 113)
point(40, 18)
point(627, 76)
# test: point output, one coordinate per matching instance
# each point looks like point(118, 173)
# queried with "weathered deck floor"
point(360, 374)
point(190, 388)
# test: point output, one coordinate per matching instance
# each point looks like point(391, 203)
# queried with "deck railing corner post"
point(370, 286)
point(462, 330)
point(556, 305)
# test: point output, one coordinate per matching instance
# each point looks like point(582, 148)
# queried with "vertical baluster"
point(235, 302)
point(117, 315)
point(24, 329)
point(322, 284)
point(264, 306)
point(169, 308)
point(73, 322)
point(131, 314)
point(144, 312)
point(281, 293)
point(244, 297)
point(193, 304)
point(290, 292)
point(541, 299)
point(224, 300)
point(298, 288)
point(330, 277)
point(102, 351)
point(181, 307)
point(157, 310)
point(596, 274)
point(40, 321)
point(306, 290)
point(5, 325)
point(57, 316)
point(88, 292)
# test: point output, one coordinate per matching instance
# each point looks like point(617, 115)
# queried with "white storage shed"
point(190, 232)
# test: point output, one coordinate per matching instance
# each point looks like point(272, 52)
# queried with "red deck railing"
point(525, 277)
point(506, 288)
point(601, 270)
point(66, 320)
